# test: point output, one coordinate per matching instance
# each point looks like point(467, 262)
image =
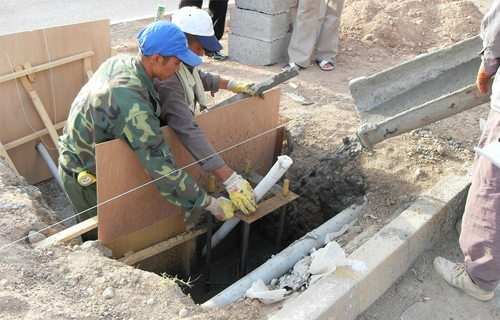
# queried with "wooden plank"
point(267, 206)
point(69, 233)
point(162, 246)
point(33, 136)
point(3, 153)
point(87, 65)
point(243, 121)
point(152, 234)
point(32, 70)
point(40, 108)
point(57, 86)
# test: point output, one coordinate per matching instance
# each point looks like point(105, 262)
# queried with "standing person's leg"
point(479, 275)
point(218, 8)
point(328, 39)
point(219, 12)
point(190, 3)
point(480, 235)
point(304, 32)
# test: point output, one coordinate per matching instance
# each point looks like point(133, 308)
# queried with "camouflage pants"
point(81, 199)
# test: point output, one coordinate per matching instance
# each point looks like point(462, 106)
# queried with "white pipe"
point(50, 163)
point(276, 172)
point(283, 262)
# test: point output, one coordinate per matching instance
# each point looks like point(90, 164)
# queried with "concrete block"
point(257, 51)
point(259, 25)
point(265, 6)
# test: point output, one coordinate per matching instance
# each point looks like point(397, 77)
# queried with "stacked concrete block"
point(260, 31)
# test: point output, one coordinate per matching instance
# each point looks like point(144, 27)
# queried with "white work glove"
point(221, 208)
point(241, 193)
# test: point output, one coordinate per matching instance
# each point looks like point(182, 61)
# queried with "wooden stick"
point(42, 112)
point(45, 66)
point(4, 153)
point(162, 246)
point(87, 64)
point(69, 233)
point(33, 136)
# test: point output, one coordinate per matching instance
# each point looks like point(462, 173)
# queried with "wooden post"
point(42, 112)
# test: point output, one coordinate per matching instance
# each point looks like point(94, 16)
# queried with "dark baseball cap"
point(166, 39)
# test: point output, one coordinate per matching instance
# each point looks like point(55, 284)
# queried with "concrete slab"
point(346, 293)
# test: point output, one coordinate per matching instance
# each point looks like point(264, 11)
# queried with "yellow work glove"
point(482, 79)
point(241, 193)
point(221, 208)
point(241, 87)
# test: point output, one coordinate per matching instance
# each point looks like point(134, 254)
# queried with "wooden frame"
point(41, 73)
point(144, 207)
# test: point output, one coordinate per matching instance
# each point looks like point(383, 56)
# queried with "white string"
point(147, 183)
point(53, 87)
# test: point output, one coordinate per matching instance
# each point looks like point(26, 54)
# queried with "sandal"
point(290, 65)
point(326, 65)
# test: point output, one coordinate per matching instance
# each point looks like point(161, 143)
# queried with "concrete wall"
point(261, 30)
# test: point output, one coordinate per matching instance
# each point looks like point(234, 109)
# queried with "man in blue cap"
point(120, 102)
point(180, 95)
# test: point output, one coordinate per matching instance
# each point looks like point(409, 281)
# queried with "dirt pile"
point(75, 282)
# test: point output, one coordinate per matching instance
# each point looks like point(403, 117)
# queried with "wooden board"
point(56, 87)
point(119, 170)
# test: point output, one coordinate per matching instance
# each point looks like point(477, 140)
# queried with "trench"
point(325, 187)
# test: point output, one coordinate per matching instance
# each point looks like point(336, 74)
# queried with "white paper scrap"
point(259, 290)
point(326, 260)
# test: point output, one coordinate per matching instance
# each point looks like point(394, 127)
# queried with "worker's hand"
point(241, 87)
point(241, 193)
point(221, 209)
point(482, 79)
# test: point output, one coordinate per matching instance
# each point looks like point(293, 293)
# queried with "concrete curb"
point(346, 293)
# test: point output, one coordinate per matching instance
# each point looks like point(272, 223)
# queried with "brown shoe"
point(456, 275)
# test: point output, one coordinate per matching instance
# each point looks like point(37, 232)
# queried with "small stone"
point(183, 313)
point(35, 236)
point(150, 301)
point(109, 293)
point(418, 173)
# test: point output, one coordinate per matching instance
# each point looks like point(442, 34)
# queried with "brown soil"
point(68, 282)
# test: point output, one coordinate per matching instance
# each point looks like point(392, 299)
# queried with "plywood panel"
point(57, 87)
point(224, 127)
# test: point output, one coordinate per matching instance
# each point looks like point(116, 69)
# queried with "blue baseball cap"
point(166, 39)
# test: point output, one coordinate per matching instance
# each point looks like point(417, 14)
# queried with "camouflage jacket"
point(120, 102)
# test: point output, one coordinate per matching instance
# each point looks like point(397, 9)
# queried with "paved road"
point(23, 15)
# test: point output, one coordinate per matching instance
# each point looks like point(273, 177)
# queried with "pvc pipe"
point(284, 261)
point(50, 163)
point(276, 172)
